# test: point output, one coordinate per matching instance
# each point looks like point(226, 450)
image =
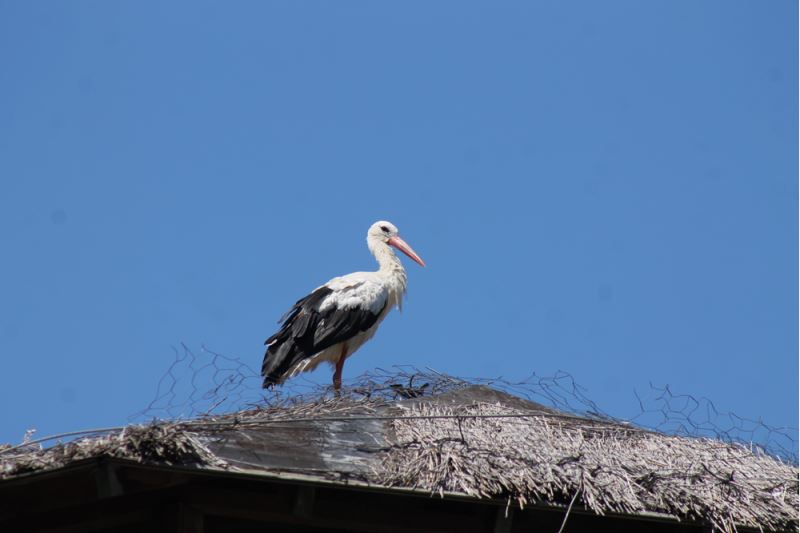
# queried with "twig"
point(569, 509)
point(60, 435)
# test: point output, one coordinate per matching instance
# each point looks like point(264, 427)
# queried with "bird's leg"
point(337, 375)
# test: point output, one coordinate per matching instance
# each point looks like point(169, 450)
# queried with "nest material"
point(611, 468)
point(486, 449)
point(155, 443)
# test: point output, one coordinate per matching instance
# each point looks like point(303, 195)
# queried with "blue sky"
point(603, 188)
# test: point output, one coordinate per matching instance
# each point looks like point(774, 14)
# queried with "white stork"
point(332, 322)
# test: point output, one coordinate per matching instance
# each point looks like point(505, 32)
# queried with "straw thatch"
point(463, 439)
point(161, 443)
point(610, 468)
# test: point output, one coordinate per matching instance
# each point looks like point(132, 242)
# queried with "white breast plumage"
point(360, 289)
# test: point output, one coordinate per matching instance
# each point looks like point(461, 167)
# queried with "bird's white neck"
point(391, 269)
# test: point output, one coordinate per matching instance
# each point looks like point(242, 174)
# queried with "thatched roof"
point(464, 439)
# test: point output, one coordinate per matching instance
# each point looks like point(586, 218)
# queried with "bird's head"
point(386, 232)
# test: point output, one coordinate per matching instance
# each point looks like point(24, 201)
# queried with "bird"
point(332, 322)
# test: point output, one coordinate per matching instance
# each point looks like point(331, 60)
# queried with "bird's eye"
point(384, 229)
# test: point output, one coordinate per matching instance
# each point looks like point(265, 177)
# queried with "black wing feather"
point(306, 331)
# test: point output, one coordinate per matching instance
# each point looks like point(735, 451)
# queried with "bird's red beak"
point(403, 246)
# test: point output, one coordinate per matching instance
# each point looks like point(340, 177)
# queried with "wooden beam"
point(503, 519)
point(189, 519)
point(108, 484)
point(304, 504)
